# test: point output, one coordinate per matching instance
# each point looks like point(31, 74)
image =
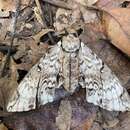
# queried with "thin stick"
point(50, 14)
point(12, 38)
point(4, 49)
point(58, 3)
point(43, 19)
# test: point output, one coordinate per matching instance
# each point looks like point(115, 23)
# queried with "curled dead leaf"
point(117, 23)
point(40, 34)
point(86, 2)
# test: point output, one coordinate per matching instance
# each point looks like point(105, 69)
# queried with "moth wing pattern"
point(24, 97)
point(103, 88)
point(38, 85)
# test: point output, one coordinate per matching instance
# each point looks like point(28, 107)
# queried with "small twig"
point(58, 3)
point(43, 19)
point(5, 114)
point(12, 38)
point(4, 49)
point(50, 14)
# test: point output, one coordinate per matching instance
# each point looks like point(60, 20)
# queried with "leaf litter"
point(105, 28)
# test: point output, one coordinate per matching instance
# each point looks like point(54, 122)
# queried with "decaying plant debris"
point(29, 27)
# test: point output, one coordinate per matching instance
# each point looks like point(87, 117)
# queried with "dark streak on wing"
point(70, 71)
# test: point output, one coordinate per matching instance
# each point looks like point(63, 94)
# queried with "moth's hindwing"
point(39, 84)
point(103, 88)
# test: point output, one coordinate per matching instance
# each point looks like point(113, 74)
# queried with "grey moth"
point(70, 63)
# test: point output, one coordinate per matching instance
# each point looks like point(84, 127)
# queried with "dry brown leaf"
point(5, 26)
point(4, 14)
point(109, 4)
point(40, 34)
point(117, 23)
point(3, 127)
point(77, 16)
point(124, 122)
point(63, 19)
point(96, 126)
point(110, 124)
point(13, 68)
point(93, 32)
point(29, 52)
point(86, 2)
point(7, 87)
point(45, 117)
point(8, 5)
point(87, 124)
point(63, 121)
point(89, 16)
point(25, 2)
point(66, 18)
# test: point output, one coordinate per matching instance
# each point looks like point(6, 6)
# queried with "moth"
point(70, 63)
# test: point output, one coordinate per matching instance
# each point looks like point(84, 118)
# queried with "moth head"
point(70, 43)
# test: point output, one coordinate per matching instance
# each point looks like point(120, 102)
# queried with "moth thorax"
point(70, 44)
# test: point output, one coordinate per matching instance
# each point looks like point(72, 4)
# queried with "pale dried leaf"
point(8, 5)
point(13, 68)
point(4, 14)
point(109, 4)
point(124, 122)
point(29, 52)
point(25, 2)
point(40, 34)
point(3, 127)
point(118, 28)
point(110, 124)
point(5, 26)
point(63, 121)
point(86, 2)
point(38, 16)
point(7, 87)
